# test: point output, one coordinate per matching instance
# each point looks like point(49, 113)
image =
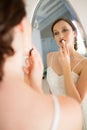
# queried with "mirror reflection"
point(64, 64)
point(45, 14)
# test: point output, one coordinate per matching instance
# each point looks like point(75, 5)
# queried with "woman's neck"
point(72, 53)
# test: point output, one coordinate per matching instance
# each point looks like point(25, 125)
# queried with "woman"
point(67, 69)
point(22, 106)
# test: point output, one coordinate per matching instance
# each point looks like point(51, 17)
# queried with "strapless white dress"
point(57, 87)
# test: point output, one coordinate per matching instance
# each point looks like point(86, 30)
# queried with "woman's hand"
point(64, 56)
point(34, 69)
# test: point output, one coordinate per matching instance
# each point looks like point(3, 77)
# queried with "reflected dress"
point(57, 87)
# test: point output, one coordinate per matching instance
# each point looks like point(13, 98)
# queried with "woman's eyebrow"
point(62, 28)
point(55, 30)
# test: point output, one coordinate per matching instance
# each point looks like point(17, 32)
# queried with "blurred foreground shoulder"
point(70, 114)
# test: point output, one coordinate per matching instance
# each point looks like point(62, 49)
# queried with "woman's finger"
point(25, 70)
point(64, 49)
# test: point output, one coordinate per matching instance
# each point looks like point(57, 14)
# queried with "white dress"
point(57, 87)
point(56, 82)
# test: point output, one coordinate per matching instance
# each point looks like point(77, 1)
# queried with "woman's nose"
point(61, 35)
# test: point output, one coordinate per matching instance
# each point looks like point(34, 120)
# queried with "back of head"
point(11, 14)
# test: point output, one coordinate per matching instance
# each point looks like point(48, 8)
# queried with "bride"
point(67, 69)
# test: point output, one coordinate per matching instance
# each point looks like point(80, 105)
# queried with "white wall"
point(80, 7)
point(30, 7)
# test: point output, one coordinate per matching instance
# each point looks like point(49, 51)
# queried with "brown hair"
point(11, 13)
point(71, 24)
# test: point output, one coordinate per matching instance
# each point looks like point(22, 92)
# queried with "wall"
point(30, 7)
point(80, 7)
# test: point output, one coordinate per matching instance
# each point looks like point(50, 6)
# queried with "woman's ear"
point(19, 27)
point(25, 26)
point(75, 34)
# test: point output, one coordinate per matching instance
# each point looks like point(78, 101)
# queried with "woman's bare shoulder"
point(68, 107)
point(50, 54)
point(84, 63)
point(49, 57)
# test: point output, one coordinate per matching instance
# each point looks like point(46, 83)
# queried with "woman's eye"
point(56, 33)
point(64, 30)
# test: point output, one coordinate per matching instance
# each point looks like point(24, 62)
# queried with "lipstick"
point(30, 51)
point(62, 41)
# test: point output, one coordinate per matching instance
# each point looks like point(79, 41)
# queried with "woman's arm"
point(34, 70)
point(75, 91)
point(70, 87)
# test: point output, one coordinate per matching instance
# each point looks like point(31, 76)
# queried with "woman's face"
point(62, 30)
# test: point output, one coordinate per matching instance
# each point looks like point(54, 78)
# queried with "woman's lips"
point(62, 41)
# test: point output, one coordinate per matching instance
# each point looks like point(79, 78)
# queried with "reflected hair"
point(72, 26)
point(11, 14)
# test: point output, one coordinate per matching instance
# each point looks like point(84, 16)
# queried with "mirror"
point(46, 12)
